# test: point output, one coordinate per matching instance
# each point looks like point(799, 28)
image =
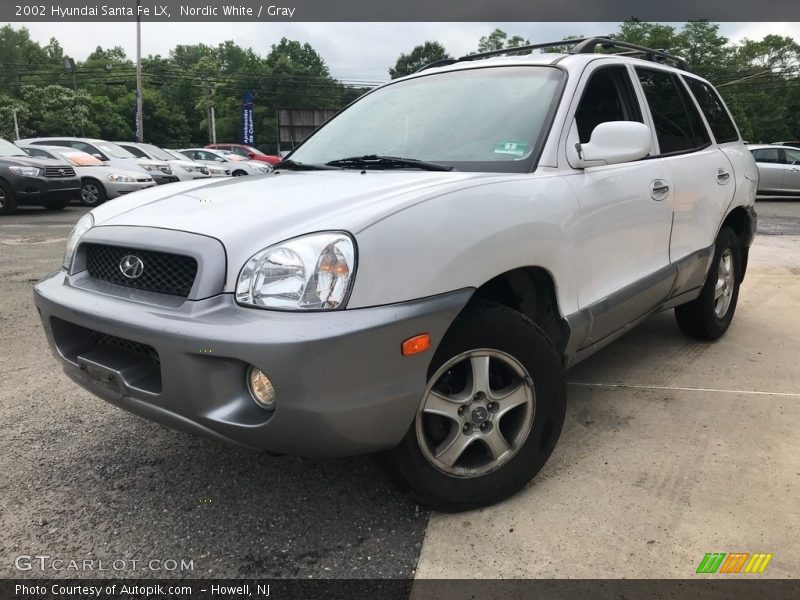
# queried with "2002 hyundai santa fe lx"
point(417, 276)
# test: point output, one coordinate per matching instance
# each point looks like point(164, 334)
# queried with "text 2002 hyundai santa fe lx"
point(355, 301)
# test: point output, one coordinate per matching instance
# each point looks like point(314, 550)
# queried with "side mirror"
point(615, 142)
point(99, 156)
point(251, 154)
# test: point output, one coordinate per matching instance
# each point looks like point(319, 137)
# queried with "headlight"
point(312, 272)
point(120, 178)
point(187, 169)
point(84, 224)
point(149, 167)
point(26, 171)
point(262, 169)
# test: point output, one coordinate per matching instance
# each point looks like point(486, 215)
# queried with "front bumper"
point(40, 190)
point(114, 189)
point(342, 385)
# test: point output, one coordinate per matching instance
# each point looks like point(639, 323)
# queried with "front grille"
point(105, 340)
point(59, 172)
point(163, 273)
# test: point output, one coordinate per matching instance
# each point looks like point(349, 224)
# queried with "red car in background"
point(247, 152)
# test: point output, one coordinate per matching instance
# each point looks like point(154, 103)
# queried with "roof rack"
point(579, 46)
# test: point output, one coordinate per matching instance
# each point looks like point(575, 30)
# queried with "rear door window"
point(718, 118)
point(678, 125)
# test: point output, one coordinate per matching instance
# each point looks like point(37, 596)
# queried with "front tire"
point(710, 314)
point(490, 416)
point(8, 201)
point(239, 174)
point(92, 193)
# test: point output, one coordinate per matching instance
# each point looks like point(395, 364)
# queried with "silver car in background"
point(778, 170)
point(109, 153)
point(183, 168)
point(99, 182)
point(237, 165)
point(213, 170)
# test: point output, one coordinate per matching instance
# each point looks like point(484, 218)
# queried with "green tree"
point(422, 55)
point(498, 39)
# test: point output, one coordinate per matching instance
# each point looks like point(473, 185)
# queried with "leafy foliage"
point(421, 55)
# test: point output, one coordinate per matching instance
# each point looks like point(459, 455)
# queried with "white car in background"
point(183, 168)
point(99, 181)
point(237, 165)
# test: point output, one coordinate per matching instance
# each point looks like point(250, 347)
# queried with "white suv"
point(418, 275)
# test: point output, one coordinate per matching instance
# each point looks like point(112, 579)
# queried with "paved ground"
point(648, 475)
point(81, 479)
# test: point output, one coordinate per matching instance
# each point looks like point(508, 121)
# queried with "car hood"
point(103, 171)
point(248, 214)
point(27, 161)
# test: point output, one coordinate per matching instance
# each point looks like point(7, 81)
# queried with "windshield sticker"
point(514, 148)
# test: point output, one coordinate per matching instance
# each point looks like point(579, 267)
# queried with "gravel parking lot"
point(82, 480)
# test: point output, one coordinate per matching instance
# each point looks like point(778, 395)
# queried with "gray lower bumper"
point(342, 385)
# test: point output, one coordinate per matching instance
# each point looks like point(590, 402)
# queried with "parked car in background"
point(778, 170)
point(237, 165)
point(795, 144)
point(213, 170)
point(184, 169)
point(99, 181)
point(110, 153)
point(28, 180)
point(247, 152)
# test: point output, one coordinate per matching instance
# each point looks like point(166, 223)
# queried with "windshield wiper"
point(291, 165)
point(386, 162)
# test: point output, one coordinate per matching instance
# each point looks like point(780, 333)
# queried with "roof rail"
point(579, 46)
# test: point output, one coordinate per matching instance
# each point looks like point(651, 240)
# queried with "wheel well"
point(739, 221)
point(530, 291)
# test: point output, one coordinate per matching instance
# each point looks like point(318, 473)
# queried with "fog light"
point(260, 388)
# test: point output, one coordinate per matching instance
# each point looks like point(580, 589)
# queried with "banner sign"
point(248, 129)
point(137, 125)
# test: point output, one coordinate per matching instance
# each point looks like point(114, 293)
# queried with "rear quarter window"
point(718, 118)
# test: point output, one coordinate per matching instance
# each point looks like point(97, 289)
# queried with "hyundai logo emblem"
point(131, 266)
point(61, 171)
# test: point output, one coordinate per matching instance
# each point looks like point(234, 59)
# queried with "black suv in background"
point(26, 180)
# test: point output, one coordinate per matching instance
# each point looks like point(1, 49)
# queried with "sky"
point(353, 51)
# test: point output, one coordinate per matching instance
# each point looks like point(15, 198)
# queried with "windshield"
point(113, 150)
point(485, 119)
point(175, 155)
point(155, 152)
point(9, 149)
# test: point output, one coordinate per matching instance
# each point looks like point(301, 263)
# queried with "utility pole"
point(139, 116)
point(16, 123)
point(211, 117)
point(69, 65)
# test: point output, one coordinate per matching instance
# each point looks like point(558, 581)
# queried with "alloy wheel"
point(476, 413)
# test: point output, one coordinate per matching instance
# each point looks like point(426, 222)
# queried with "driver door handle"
point(659, 190)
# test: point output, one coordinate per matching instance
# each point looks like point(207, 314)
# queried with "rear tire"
point(490, 416)
point(8, 201)
point(710, 314)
